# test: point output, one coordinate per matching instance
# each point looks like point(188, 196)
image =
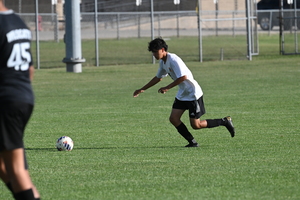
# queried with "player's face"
point(158, 54)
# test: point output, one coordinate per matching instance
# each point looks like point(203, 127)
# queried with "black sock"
point(24, 195)
point(211, 123)
point(182, 129)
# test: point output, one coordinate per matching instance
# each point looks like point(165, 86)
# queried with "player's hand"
point(163, 90)
point(137, 92)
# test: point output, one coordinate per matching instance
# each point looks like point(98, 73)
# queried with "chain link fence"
point(223, 31)
point(286, 23)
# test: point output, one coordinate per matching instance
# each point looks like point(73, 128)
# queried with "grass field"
point(125, 148)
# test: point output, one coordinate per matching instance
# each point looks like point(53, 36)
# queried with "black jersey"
point(15, 59)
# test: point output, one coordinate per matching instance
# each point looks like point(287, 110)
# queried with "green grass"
point(125, 148)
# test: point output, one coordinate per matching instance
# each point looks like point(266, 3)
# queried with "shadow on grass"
point(114, 148)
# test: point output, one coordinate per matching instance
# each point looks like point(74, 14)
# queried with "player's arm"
point(152, 82)
point(31, 72)
point(163, 90)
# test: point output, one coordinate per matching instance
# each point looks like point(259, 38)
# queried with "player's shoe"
point(229, 125)
point(192, 145)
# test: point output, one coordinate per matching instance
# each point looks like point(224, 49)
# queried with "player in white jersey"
point(189, 96)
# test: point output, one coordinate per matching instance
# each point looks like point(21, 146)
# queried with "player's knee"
point(196, 126)
point(173, 120)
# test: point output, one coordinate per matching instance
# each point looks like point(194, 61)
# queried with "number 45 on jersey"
point(20, 56)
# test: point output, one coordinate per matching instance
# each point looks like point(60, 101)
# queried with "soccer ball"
point(64, 143)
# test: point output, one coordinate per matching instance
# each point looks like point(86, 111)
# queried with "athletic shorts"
point(13, 119)
point(196, 108)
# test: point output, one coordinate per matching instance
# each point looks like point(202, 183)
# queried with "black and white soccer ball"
point(64, 143)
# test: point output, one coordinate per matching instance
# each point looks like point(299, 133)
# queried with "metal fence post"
point(139, 26)
point(177, 20)
point(158, 22)
point(56, 28)
point(200, 31)
point(118, 26)
point(152, 26)
point(37, 34)
point(96, 34)
point(249, 38)
point(73, 57)
point(270, 22)
point(233, 24)
point(296, 27)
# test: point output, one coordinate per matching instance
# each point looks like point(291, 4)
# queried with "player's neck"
point(2, 7)
point(164, 58)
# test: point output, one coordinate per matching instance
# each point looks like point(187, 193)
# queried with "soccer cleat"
point(192, 145)
point(229, 125)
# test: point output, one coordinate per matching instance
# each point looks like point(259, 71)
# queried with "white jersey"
point(189, 90)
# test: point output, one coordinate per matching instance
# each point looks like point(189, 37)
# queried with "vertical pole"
point(55, 23)
point(158, 23)
point(96, 34)
point(138, 3)
point(73, 57)
point(296, 28)
point(221, 54)
point(152, 20)
point(177, 2)
point(37, 34)
point(52, 11)
point(152, 26)
point(270, 22)
point(249, 39)
point(200, 31)
point(217, 14)
point(233, 15)
point(20, 6)
point(118, 26)
point(177, 17)
point(281, 42)
point(139, 26)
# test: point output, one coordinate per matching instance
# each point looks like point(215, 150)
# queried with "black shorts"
point(196, 108)
point(13, 119)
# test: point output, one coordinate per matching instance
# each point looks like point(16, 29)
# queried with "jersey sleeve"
point(178, 67)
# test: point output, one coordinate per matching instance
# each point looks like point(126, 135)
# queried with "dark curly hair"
point(157, 44)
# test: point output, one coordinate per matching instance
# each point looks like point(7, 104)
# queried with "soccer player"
point(189, 96)
point(16, 103)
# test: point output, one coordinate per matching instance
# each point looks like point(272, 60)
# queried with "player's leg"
point(18, 175)
point(211, 123)
point(181, 128)
point(197, 109)
point(197, 123)
point(175, 117)
point(14, 169)
point(5, 179)
point(3, 174)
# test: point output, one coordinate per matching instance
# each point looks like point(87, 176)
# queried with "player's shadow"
point(40, 149)
point(132, 147)
point(107, 148)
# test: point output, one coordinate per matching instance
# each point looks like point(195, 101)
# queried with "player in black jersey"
point(16, 103)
